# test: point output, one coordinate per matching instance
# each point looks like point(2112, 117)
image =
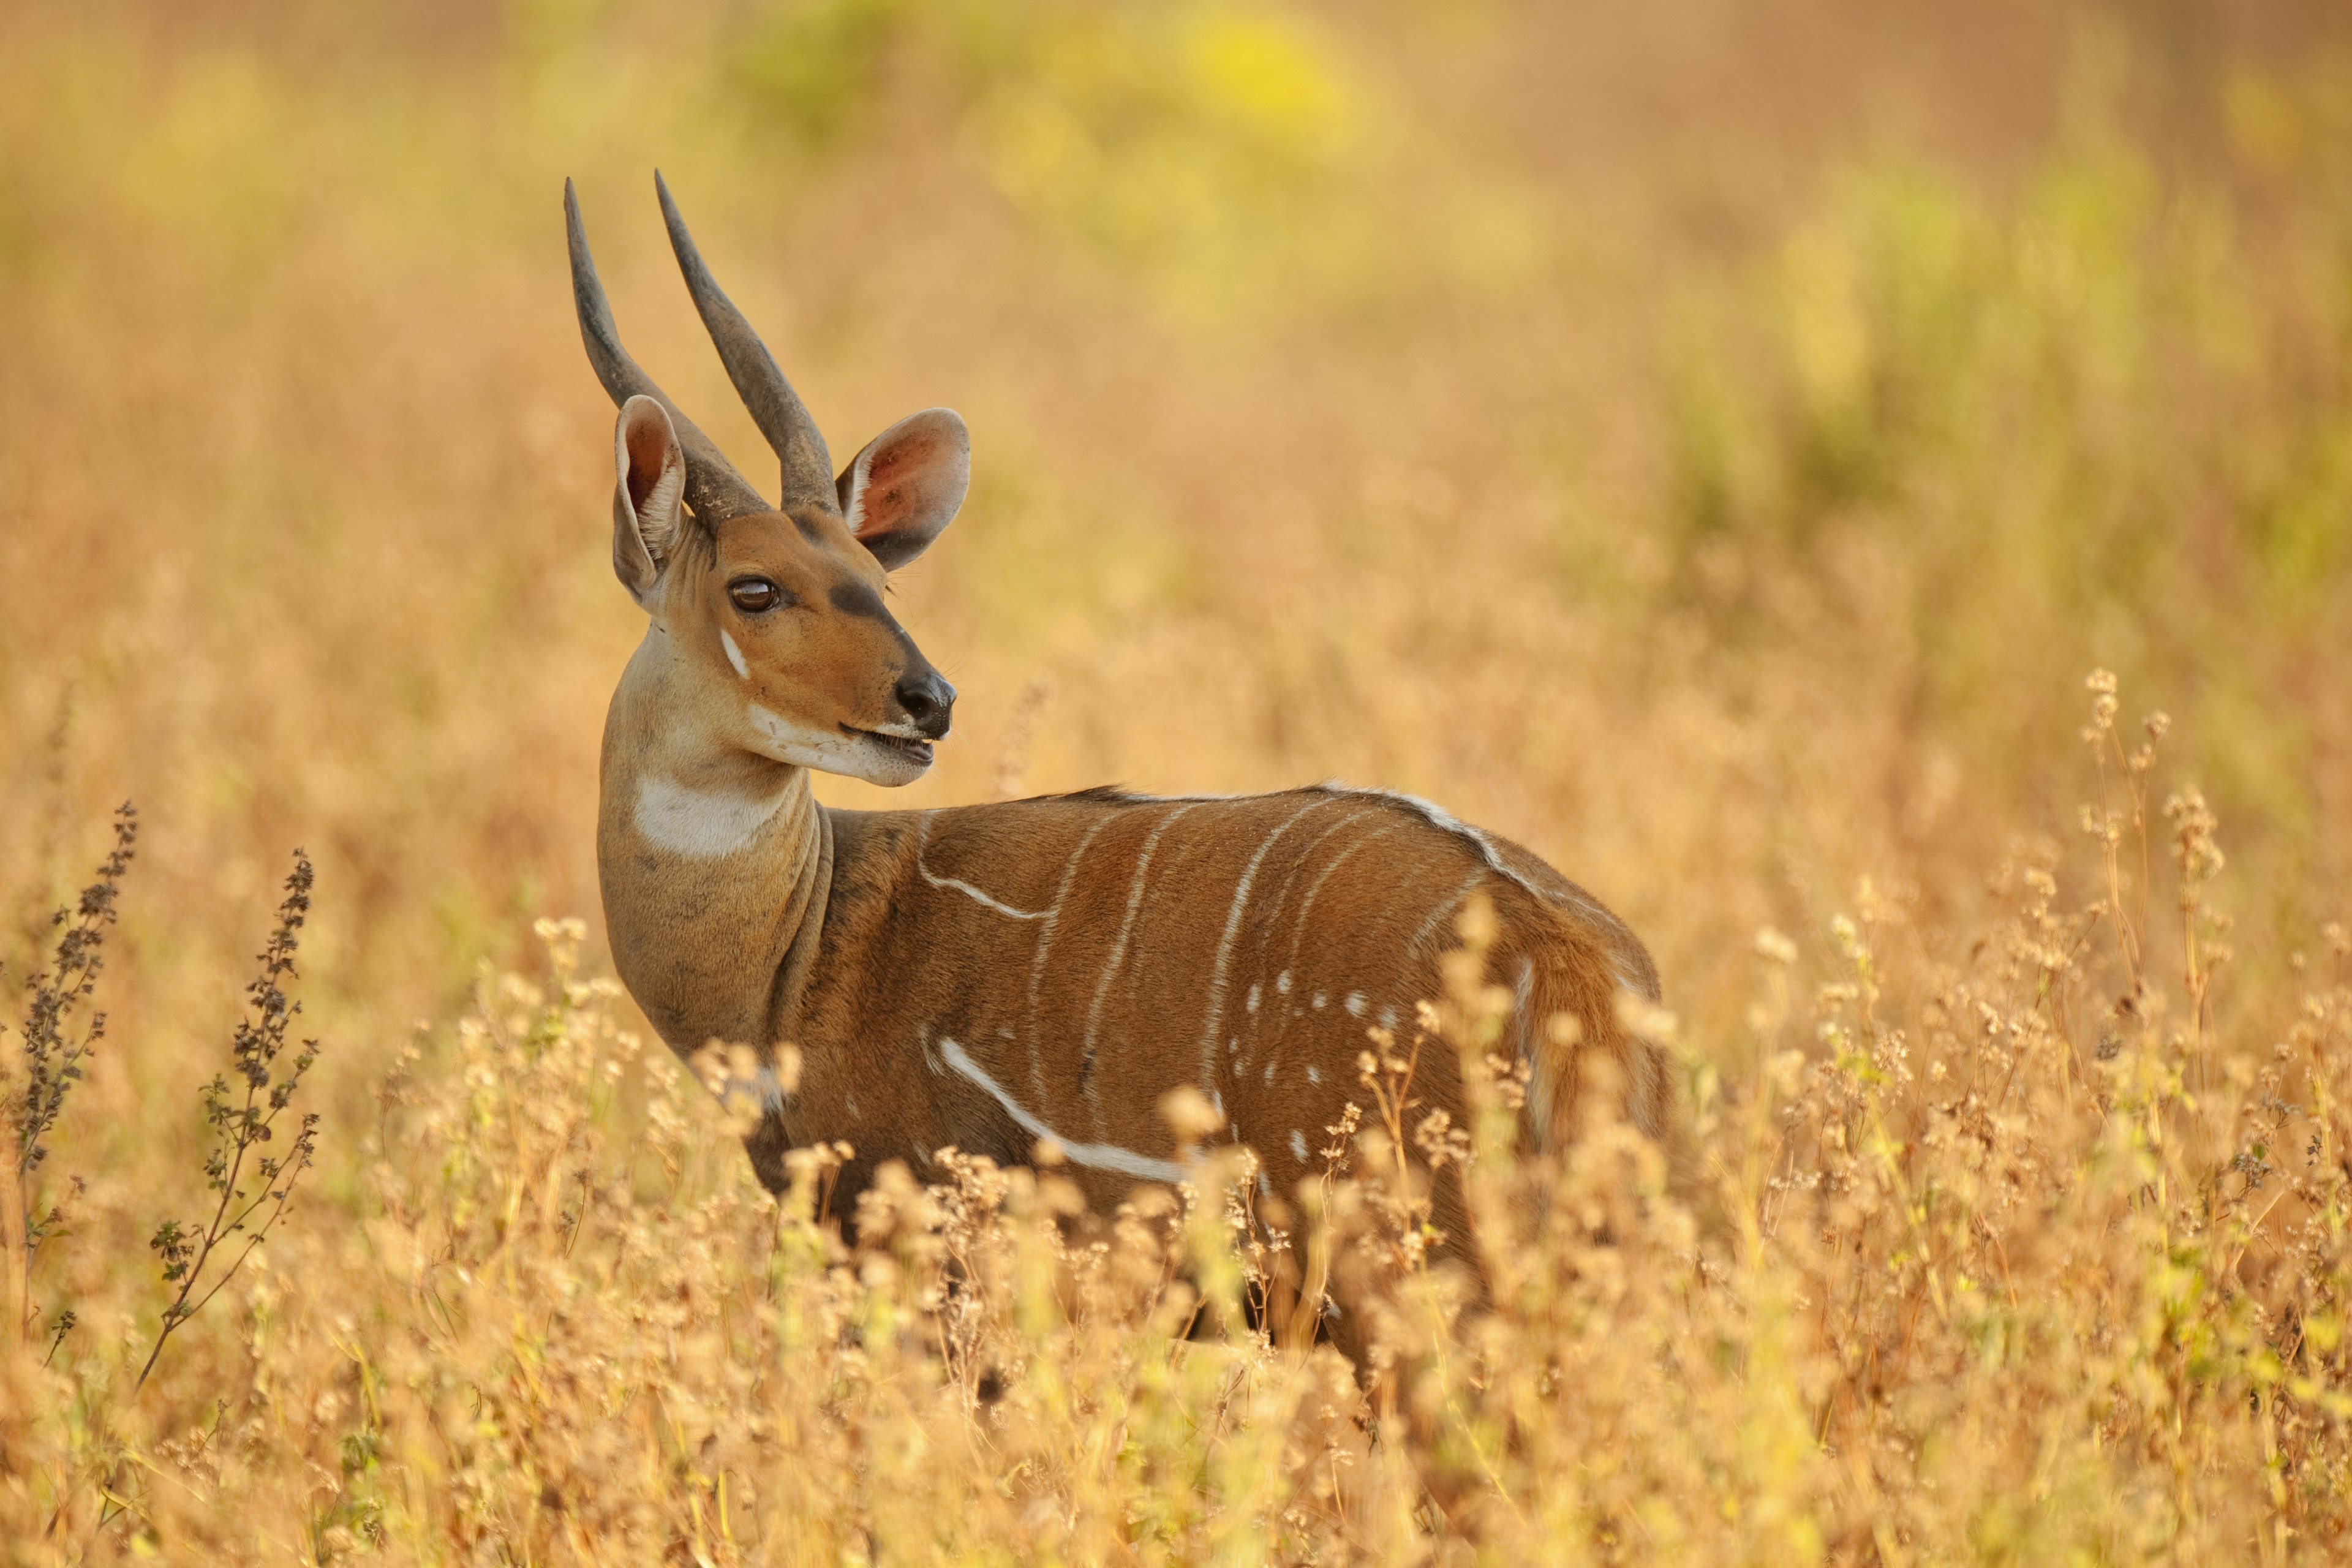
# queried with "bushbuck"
point(994, 976)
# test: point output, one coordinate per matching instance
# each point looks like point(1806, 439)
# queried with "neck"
point(715, 861)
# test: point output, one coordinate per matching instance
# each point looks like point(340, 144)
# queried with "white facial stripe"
point(706, 826)
point(734, 654)
point(1094, 1156)
point(1225, 947)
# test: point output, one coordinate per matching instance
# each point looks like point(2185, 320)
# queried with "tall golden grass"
point(1710, 447)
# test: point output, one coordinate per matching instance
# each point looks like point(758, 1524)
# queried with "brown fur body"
point(1081, 955)
point(991, 976)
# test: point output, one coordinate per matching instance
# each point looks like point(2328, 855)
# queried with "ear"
point(650, 483)
point(898, 493)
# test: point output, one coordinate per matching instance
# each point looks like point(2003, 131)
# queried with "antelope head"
point(776, 610)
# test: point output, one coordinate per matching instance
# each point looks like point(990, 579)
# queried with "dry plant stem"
point(52, 1067)
point(2102, 736)
point(16, 1275)
point(242, 1127)
point(53, 1058)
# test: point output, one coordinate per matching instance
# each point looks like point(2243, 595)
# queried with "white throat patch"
point(706, 824)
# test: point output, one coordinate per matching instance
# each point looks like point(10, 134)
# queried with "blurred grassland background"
point(1707, 443)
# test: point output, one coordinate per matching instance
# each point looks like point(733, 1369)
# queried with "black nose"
point(928, 700)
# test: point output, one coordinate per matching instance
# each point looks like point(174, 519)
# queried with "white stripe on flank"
point(1298, 1145)
point(1045, 945)
point(1437, 916)
point(1119, 952)
point(1307, 904)
point(734, 655)
point(1225, 948)
point(1095, 1156)
point(975, 894)
point(1299, 862)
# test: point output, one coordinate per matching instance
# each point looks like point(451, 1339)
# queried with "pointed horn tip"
point(681, 240)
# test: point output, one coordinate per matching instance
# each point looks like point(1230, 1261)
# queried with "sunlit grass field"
point(1867, 493)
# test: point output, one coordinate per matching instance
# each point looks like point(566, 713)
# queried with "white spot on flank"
point(734, 655)
point(1388, 1019)
point(1095, 1156)
point(1320, 999)
point(1313, 1073)
point(851, 1101)
point(1298, 1145)
point(704, 824)
point(1282, 982)
point(1269, 1072)
point(1355, 1003)
point(1251, 1004)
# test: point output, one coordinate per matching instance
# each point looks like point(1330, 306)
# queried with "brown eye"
point(753, 594)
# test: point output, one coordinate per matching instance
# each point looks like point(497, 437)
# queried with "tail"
point(1574, 982)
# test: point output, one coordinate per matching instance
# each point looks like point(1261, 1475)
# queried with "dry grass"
point(1709, 450)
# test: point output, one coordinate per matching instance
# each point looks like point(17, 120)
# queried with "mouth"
point(914, 748)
